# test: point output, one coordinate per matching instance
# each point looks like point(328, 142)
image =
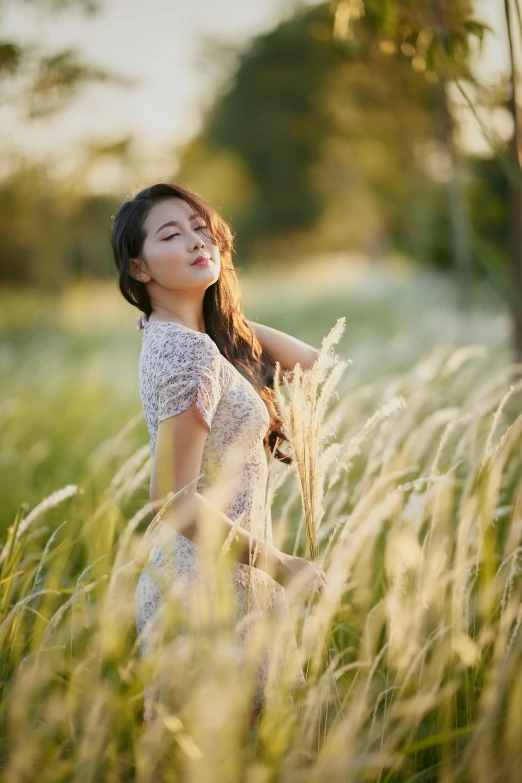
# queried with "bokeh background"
point(367, 155)
point(364, 153)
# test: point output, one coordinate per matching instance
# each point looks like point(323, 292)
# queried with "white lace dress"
point(176, 366)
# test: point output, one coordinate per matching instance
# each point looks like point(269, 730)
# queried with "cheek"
point(166, 260)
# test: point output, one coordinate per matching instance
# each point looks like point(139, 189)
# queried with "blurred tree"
point(323, 140)
point(430, 35)
point(305, 125)
point(514, 17)
point(41, 82)
point(55, 231)
point(437, 36)
point(50, 231)
point(219, 173)
point(33, 228)
point(276, 95)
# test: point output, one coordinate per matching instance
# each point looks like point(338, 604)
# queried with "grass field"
point(413, 653)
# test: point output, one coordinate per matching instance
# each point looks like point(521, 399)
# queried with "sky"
point(167, 47)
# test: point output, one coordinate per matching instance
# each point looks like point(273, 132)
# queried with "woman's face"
point(174, 240)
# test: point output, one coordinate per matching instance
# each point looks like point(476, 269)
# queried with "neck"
point(186, 312)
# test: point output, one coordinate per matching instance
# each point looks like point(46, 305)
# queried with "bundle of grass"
point(303, 416)
point(304, 422)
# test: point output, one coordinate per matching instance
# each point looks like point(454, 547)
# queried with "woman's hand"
point(142, 320)
point(299, 572)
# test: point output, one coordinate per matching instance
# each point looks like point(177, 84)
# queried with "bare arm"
point(284, 348)
point(177, 463)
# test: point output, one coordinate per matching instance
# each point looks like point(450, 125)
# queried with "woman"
point(205, 376)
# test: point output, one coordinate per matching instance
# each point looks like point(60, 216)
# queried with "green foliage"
point(42, 82)
point(56, 80)
point(488, 202)
point(273, 117)
point(10, 57)
point(318, 143)
point(332, 133)
point(52, 233)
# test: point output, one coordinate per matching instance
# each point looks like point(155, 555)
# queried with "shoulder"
point(170, 345)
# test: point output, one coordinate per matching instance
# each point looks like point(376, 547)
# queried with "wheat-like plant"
point(303, 416)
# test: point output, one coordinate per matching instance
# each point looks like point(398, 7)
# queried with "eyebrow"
point(173, 223)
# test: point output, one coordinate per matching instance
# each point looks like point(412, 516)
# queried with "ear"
point(138, 271)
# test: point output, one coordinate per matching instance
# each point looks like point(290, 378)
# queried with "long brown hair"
point(222, 311)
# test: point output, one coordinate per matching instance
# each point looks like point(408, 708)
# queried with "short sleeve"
point(188, 370)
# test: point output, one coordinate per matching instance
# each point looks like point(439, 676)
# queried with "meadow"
point(408, 469)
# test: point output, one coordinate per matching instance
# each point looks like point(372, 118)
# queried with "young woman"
point(206, 385)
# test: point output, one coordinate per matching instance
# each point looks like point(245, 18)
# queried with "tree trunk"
point(514, 242)
point(460, 229)
point(455, 199)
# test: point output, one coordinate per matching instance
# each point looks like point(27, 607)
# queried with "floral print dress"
point(178, 365)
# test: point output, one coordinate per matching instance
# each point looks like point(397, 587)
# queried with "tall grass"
point(303, 421)
point(417, 518)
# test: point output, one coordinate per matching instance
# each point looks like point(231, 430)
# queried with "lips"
point(200, 260)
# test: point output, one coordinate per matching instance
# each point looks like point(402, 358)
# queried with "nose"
point(198, 241)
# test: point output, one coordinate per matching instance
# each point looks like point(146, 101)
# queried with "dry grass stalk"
point(303, 423)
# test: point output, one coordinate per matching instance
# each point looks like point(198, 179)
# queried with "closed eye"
point(177, 235)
